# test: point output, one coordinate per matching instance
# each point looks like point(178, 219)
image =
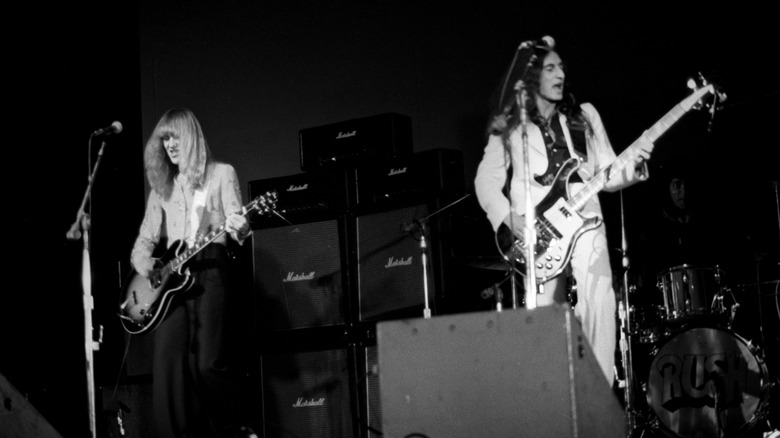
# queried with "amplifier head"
point(304, 197)
point(351, 142)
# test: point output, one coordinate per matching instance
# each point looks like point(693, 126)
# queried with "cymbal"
point(762, 283)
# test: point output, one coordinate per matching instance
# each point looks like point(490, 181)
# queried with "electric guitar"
point(147, 300)
point(558, 220)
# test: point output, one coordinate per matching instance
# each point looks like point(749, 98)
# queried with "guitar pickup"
point(548, 230)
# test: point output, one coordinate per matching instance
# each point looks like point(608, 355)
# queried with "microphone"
point(546, 42)
point(114, 128)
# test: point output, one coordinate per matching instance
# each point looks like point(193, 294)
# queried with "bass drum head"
point(706, 382)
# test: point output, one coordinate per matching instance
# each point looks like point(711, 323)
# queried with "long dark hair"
point(528, 67)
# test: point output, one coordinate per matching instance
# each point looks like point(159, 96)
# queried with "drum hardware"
point(717, 303)
point(495, 291)
point(734, 308)
point(565, 288)
point(644, 326)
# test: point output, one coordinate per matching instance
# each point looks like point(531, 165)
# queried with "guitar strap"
point(508, 160)
point(559, 148)
point(575, 138)
point(575, 145)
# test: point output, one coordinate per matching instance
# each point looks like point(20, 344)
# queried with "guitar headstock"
point(265, 203)
point(702, 87)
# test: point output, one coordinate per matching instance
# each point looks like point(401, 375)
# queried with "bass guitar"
point(147, 299)
point(558, 220)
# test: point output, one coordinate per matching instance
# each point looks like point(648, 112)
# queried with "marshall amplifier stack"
point(396, 200)
point(343, 254)
point(301, 284)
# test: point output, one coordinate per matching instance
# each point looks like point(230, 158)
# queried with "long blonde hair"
point(194, 152)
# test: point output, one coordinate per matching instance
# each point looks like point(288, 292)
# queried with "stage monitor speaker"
point(390, 270)
point(19, 418)
point(307, 394)
point(498, 374)
point(298, 276)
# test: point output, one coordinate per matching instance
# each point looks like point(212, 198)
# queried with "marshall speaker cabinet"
point(298, 255)
point(307, 393)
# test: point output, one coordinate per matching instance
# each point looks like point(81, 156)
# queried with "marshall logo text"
point(393, 262)
point(298, 277)
point(294, 188)
point(346, 134)
point(301, 403)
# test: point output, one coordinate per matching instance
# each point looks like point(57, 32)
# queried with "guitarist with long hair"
point(557, 129)
point(195, 392)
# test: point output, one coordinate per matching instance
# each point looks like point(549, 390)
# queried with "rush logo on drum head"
point(706, 381)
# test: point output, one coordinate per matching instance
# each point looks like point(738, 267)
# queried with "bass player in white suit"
point(558, 128)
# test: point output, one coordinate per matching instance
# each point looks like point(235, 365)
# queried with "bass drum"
point(707, 382)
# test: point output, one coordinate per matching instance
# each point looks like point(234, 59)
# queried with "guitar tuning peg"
point(703, 79)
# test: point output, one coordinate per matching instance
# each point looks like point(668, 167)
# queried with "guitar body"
point(146, 301)
point(558, 226)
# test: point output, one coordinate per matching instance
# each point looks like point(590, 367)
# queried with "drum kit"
point(698, 377)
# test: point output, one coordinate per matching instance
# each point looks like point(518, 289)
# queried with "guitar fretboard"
point(264, 204)
point(632, 152)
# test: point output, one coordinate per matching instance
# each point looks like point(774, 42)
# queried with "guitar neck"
point(177, 262)
point(630, 154)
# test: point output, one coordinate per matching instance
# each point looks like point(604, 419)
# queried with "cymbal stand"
point(625, 330)
point(424, 261)
point(80, 230)
point(418, 225)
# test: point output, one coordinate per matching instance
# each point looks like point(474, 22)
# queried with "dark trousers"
point(196, 391)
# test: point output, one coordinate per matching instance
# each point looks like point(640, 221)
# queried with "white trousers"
point(596, 304)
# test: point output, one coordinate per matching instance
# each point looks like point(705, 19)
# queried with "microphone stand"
point(625, 332)
point(80, 230)
point(530, 209)
point(529, 230)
